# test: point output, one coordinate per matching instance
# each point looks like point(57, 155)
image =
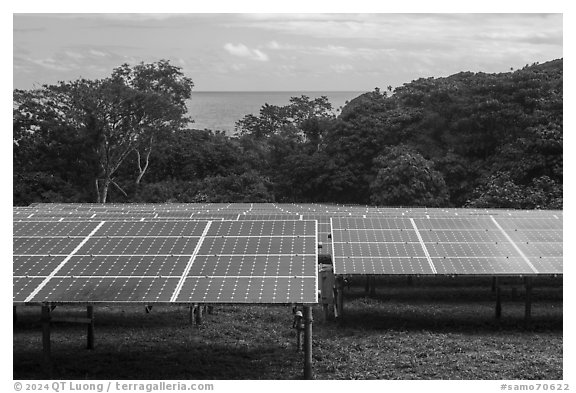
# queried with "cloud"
point(334, 50)
point(341, 68)
point(242, 50)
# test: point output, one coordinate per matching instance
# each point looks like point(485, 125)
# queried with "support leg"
point(498, 300)
point(191, 314)
point(340, 297)
point(367, 285)
point(308, 343)
point(298, 339)
point(90, 334)
point(372, 286)
point(148, 309)
point(325, 312)
point(46, 338)
point(528, 305)
point(199, 309)
point(493, 284)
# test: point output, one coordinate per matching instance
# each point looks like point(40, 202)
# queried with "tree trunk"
point(104, 194)
point(142, 170)
point(97, 191)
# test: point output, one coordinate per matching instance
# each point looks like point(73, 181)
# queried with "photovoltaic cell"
point(34, 265)
point(261, 228)
point(261, 265)
point(383, 265)
point(44, 245)
point(107, 289)
point(125, 265)
point(152, 229)
point(454, 224)
point(139, 246)
point(257, 245)
point(248, 290)
point(469, 236)
point(375, 236)
point(53, 229)
point(22, 287)
point(269, 217)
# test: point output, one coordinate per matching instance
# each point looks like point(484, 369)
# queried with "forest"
point(466, 140)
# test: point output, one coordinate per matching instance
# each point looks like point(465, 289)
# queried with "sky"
point(282, 51)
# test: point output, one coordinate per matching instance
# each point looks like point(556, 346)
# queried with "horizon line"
point(280, 91)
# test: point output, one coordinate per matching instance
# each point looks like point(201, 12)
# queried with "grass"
point(434, 329)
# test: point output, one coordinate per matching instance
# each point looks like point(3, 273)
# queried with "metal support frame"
point(372, 285)
point(528, 304)
point(148, 308)
point(496, 284)
point(90, 330)
point(47, 319)
point(308, 374)
point(339, 297)
point(199, 314)
point(367, 285)
point(46, 336)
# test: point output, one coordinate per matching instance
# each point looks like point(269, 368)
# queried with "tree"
point(52, 159)
point(164, 91)
point(124, 113)
point(301, 116)
point(246, 187)
point(501, 191)
point(404, 177)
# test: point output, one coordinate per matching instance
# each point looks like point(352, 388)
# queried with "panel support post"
point(498, 298)
point(494, 284)
point(148, 308)
point(528, 305)
point(46, 337)
point(90, 333)
point(340, 297)
point(372, 286)
point(367, 285)
point(308, 343)
point(199, 309)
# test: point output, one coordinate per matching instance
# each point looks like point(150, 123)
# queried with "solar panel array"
point(477, 245)
point(252, 253)
point(165, 261)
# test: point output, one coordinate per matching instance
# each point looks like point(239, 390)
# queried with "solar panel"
point(165, 261)
point(473, 245)
point(262, 261)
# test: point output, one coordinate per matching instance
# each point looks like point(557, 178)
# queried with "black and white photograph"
point(200, 197)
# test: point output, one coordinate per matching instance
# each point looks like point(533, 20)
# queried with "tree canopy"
point(470, 139)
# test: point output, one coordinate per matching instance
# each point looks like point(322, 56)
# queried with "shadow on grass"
point(166, 362)
point(444, 321)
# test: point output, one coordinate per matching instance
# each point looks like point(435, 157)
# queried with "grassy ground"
point(434, 329)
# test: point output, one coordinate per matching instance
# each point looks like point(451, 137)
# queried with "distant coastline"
point(220, 110)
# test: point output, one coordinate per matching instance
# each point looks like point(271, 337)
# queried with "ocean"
point(221, 110)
